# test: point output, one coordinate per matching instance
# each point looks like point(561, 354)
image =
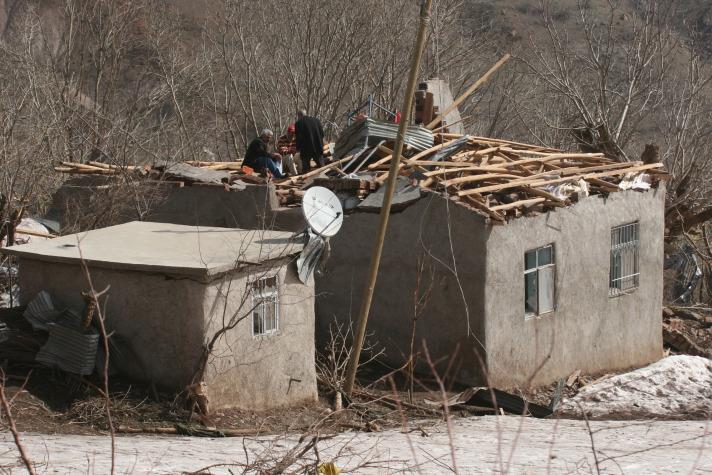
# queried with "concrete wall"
point(417, 244)
point(588, 330)
point(213, 206)
point(255, 207)
point(166, 320)
point(159, 316)
point(261, 372)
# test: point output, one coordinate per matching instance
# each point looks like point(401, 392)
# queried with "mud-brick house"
point(521, 264)
point(176, 289)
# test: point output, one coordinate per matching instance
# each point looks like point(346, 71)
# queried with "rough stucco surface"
point(260, 372)
point(255, 207)
point(166, 321)
point(157, 315)
point(588, 330)
point(213, 206)
point(418, 254)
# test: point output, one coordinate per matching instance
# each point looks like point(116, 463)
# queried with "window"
point(265, 304)
point(539, 281)
point(624, 273)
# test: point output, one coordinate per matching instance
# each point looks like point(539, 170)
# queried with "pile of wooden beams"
point(502, 179)
point(98, 168)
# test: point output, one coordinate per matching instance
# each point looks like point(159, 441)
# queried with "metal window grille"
point(539, 281)
point(625, 245)
point(265, 304)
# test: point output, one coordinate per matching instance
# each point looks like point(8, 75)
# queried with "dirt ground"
point(53, 402)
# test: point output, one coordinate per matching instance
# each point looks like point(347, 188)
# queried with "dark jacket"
point(255, 151)
point(310, 136)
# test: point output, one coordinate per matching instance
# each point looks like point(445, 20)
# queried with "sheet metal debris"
point(41, 311)
point(451, 149)
point(69, 349)
point(493, 399)
point(311, 255)
point(370, 132)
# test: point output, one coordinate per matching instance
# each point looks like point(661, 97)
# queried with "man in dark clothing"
point(259, 158)
point(310, 140)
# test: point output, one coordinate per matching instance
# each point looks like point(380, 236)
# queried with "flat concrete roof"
point(167, 248)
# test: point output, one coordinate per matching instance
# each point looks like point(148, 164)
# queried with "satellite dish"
point(322, 211)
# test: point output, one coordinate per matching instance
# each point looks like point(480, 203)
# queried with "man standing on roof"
point(310, 140)
point(259, 159)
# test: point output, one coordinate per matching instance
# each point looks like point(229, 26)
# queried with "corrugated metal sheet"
point(41, 311)
point(70, 350)
point(450, 149)
point(369, 132)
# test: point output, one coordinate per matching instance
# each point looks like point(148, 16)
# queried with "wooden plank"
point(476, 178)
point(561, 171)
point(30, 232)
point(83, 171)
point(315, 172)
point(518, 204)
point(492, 141)
point(81, 166)
point(469, 91)
point(454, 123)
point(483, 207)
point(554, 201)
point(533, 181)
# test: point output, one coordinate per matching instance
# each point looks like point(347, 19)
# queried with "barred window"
point(265, 304)
point(539, 281)
point(625, 245)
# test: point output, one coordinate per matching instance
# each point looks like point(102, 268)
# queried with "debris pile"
point(51, 334)
point(688, 330)
point(498, 179)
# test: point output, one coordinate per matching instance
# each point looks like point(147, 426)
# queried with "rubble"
point(498, 179)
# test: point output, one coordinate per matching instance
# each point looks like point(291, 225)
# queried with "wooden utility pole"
point(352, 366)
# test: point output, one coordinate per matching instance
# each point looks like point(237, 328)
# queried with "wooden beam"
point(544, 194)
point(533, 181)
point(492, 141)
point(476, 178)
point(560, 171)
point(315, 172)
point(469, 91)
point(518, 204)
point(483, 207)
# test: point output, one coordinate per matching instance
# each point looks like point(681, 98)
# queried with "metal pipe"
point(352, 366)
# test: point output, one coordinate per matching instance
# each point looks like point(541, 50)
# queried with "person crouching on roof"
point(260, 159)
point(287, 147)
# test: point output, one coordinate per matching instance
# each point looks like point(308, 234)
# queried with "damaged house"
point(515, 264)
point(189, 304)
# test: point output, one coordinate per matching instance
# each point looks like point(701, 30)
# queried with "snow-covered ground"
point(479, 445)
point(676, 386)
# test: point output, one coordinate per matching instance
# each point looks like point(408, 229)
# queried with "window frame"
point(264, 293)
point(536, 269)
point(630, 246)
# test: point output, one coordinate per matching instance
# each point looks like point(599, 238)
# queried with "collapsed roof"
point(496, 178)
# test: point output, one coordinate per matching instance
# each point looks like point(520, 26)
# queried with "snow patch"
point(674, 387)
